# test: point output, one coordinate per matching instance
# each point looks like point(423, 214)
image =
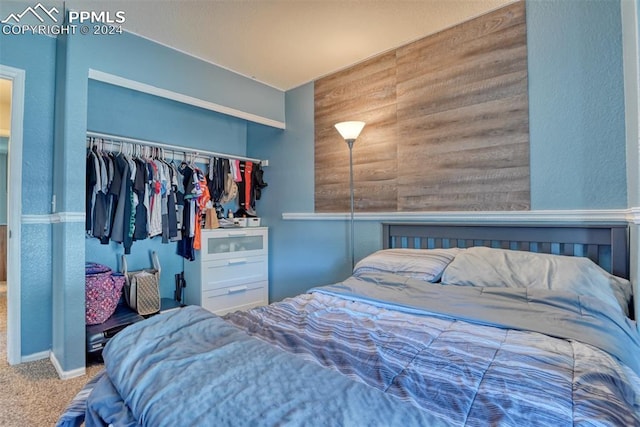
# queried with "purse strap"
point(154, 259)
point(124, 266)
point(156, 262)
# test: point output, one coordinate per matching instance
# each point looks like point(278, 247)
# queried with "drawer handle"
point(239, 233)
point(237, 289)
point(237, 261)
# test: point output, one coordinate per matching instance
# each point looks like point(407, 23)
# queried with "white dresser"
point(230, 272)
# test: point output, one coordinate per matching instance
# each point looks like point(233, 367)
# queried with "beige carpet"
point(31, 394)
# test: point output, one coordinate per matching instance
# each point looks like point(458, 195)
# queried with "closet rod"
point(121, 139)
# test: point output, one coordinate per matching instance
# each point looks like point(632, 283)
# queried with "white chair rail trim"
point(631, 215)
point(53, 218)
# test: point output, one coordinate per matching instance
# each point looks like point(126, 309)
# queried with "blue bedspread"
point(559, 314)
point(190, 368)
point(388, 360)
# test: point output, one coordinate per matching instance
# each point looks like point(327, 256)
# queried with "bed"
point(445, 325)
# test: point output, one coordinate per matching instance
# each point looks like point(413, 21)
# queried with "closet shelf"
point(200, 155)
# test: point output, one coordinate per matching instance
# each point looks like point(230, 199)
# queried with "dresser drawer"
point(233, 271)
point(242, 297)
point(229, 243)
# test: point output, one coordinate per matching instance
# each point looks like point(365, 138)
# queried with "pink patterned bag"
point(103, 289)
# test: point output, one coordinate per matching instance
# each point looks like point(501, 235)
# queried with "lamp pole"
point(353, 254)
point(349, 132)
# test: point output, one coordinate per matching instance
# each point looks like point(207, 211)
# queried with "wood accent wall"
point(447, 123)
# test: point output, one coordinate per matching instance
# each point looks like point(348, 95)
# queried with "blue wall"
point(116, 110)
point(303, 254)
point(307, 253)
point(36, 55)
point(577, 139)
point(576, 105)
point(576, 110)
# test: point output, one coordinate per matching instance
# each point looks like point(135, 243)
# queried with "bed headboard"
point(606, 245)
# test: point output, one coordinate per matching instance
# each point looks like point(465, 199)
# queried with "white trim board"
point(53, 218)
point(14, 212)
point(542, 216)
point(180, 97)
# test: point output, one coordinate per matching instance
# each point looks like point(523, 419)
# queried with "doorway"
point(12, 82)
point(5, 134)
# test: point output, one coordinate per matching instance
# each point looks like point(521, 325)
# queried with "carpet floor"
point(32, 394)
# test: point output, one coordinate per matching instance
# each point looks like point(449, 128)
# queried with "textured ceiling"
point(286, 43)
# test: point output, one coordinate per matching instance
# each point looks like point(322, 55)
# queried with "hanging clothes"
point(132, 196)
point(215, 178)
point(124, 220)
point(92, 177)
point(121, 189)
point(249, 189)
point(244, 189)
point(185, 245)
point(201, 204)
point(155, 201)
point(172, 216)
point(140, 190)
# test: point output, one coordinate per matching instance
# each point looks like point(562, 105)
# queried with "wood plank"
point(471, 43)
point(364, 87)
point(364, 92)
point(463, 117)
point(447, 123)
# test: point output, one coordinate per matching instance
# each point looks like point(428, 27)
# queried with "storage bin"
point(103, 289)
point(253, 222)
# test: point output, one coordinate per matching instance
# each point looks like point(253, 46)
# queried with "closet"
point(139, 189)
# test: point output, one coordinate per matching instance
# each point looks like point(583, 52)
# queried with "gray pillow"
point(489, 267)
point(422, 264)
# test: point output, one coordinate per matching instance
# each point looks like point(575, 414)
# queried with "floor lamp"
point(349, 132)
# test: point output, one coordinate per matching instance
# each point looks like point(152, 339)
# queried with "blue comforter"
point(190, 368)
point(377, 350)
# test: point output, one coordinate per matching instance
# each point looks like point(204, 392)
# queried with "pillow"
point(489, 267)
point(422, 264)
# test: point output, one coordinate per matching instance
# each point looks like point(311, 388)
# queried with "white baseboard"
point(65, 375)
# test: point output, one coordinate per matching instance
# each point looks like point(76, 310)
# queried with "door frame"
point(14, 212)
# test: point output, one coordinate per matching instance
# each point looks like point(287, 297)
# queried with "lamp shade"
point(349, 130)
